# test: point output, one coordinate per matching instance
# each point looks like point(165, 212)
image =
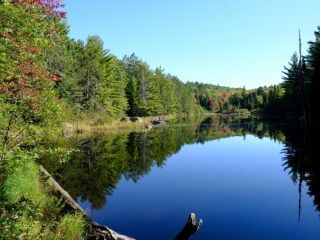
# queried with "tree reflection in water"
point(92, 173)
point(302, 161)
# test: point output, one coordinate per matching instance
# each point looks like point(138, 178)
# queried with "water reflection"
point(93, 173)
point(302, 161)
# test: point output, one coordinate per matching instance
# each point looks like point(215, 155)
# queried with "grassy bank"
point(88, 123)
point(101, 123)
point(30, 208)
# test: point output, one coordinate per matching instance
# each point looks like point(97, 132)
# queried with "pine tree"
point(292, 97)
point(313, 59)
point(91, 70)
point(112, 89)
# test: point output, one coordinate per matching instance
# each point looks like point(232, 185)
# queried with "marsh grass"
point(88, 125)
point(100, 123)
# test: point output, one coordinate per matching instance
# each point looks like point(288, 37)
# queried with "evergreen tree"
point(112, 94)
point(131, 68)
point(313, 59)
point(165, 93)
point(91, 68)
point(142, 90)
point(292, 97)
point(181, 95)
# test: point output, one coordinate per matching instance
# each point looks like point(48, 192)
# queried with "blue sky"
point(232, 43)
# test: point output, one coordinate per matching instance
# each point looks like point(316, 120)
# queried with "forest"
point(47, 78)
point(85, 78)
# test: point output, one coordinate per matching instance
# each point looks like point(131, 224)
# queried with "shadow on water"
point(104, 159)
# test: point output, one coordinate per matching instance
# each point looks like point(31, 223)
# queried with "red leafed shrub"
point(212, 103)
point(49, 7)
point(27, 30)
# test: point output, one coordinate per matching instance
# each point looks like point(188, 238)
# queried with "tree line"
point(95, 81)
point(46, 76)
point(295, 98)
point(83, 77)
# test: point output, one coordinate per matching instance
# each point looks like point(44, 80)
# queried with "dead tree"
point(96, 231)
point(190, 228)
point(304, 92)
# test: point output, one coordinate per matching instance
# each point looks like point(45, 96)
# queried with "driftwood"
point(190, 228)
point(97, 231)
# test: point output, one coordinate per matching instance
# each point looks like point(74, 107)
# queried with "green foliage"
point(22, 180)
point(301, 81)
point(27, 98)
point(292, 86)
point(59, 154)
point(140, 90)
point(91, 71)
point(215, 98)
point(95, 81)
point(112, 96)
point(30, 34)
point(29, 207)
point(313, 69)
point(166, 87)
point(185, 103)
point(70, 227)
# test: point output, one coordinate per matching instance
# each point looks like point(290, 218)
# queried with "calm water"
point(245, 180)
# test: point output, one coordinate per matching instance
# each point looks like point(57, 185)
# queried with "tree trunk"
point(190, 228)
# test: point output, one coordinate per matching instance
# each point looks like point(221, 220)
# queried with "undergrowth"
point(30, 209)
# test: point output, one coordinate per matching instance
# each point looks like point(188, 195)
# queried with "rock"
point(135, 119)
point(125, 119)
point(67, 130)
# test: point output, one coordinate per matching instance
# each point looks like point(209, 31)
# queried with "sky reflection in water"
point(238, 187)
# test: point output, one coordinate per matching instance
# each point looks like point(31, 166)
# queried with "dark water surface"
point(246, 180)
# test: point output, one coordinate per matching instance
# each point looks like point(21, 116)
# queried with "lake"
point(245, 179)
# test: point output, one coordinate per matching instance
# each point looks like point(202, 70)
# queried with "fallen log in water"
point(190, 228)
point(97, 231)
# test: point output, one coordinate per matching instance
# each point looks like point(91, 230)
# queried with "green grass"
point(31, 209)
point(23, 183)
point(70, 227)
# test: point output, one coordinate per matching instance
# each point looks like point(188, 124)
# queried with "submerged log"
point(97, 231)
point(190, 228)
